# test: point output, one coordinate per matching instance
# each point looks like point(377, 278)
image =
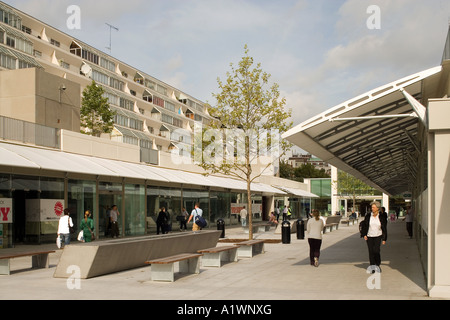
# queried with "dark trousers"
point(314, 249)
point(409, 228)
point(114, 229)
point(374, 245)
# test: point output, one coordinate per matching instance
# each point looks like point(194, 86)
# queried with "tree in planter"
point(251, 120)
point(95, 115)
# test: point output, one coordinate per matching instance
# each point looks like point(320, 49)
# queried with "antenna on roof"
point(110, 30)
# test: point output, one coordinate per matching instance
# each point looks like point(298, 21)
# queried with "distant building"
point(298, 160)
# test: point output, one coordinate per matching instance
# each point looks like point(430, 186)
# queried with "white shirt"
point(243, 214)
point(315, 228)
point(197, 212)
point(374, 226)
point(63, 226)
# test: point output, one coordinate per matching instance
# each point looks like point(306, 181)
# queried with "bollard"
point(300, 229)
point(221, 226)
point(286, 232)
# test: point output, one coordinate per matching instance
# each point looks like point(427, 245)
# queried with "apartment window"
point(162, 90)
point(112, 99)
point(105, 63)
point(2, 36)
point(19, 44)
point(75, 49)
point(7, 62)
point(121, 120)
point(169, 106)
point(25, 65)
point(65, 65)
point(10, 41)
point(11, 19)
point(55, 43)
point(136, 124)
point(147, 96)
point(26, 29)
point(116, 84)
point(130, 140)
point(89, 56)
point(150, 84)
point(158, 101)
point(37, 54)
point(100, 77)
point(126, 104)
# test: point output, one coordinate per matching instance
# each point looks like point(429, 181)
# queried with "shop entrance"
point(26, 226)
point(106, 199)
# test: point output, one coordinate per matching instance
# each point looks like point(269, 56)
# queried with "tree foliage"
point(252, 112)
point(95, 115)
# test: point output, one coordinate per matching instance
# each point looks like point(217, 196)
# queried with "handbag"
point(200, 221)
point(80, 236)
point(58, 242)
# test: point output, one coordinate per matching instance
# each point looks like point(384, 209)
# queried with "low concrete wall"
point(109, 256)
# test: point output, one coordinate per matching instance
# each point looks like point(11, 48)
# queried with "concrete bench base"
point(213, 257)
point(163, 269)
point(248, 249)
point(38, 260)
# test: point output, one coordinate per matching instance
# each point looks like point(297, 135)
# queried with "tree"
point(251, 120)
point(348, 185)
point(95, 115)
point(308, 170)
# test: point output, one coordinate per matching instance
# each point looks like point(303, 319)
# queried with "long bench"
point(249, 248)
point(163, 269)
point(349, 221)
point(104, 257)
point(213, 257)
point(39, 259)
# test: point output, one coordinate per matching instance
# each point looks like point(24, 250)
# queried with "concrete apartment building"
point(144, 164)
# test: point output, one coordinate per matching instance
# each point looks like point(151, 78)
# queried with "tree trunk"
point(249, 211)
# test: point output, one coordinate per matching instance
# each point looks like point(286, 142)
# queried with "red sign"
point(59, 208)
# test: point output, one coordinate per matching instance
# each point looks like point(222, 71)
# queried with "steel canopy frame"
point(373, 137)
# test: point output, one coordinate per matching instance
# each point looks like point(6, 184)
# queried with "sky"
point(320, 52)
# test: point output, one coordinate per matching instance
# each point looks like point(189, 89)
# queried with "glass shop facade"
point(31, 204)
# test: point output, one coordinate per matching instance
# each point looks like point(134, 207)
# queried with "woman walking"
point(314, 229)
point(374, 231)
point(87, 225)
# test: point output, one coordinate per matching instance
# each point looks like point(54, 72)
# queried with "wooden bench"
point(213, 257)
point(39, 259)
point(249, 248)
point(163, 269)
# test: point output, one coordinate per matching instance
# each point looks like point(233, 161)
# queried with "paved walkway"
point(282, 273)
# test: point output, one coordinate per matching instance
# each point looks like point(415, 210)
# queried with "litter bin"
point(221, 226)
point(286, 232)
point(300, 229)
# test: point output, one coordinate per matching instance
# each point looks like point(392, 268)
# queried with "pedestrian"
point(162, 221)
point(374, 231)
point(87, 225)
point(285, 211)
point(289, 212)
point(196, 212)
point(183, 219)
point(63, 228)
point(243, 215)
point(113, 216)
point(314, 229)
point(277, 212)
point(409, 220)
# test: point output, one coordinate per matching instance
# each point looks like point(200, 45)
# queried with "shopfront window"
point(6, 212)
point(81, 197)
point(192, 196)
point(51, 204)
point(109, 194)
point(134, 210)
point(158, 197)
point(26, 209)
point(220, 206)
